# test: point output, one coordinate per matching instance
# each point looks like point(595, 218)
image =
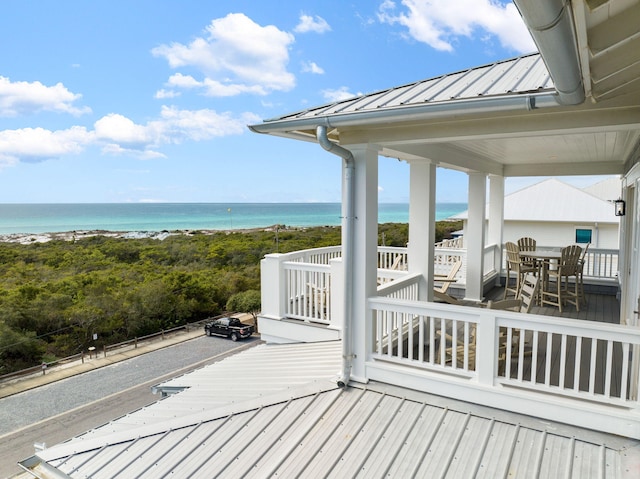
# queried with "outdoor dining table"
point(543, 258)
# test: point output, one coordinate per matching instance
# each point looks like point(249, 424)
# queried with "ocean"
point(57, 218)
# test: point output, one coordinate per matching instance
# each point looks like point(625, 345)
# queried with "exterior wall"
point(550, 234)
point(561, 234)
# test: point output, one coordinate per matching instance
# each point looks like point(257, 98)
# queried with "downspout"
point(551, 26)
point(347, 249)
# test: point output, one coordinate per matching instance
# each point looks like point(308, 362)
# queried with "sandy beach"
point(28, 238)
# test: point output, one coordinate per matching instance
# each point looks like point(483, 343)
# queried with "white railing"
point(457, 243)
point(594, 358)
point(601, 264)
point(394, 258)
point(443, 259)
point(308, 291)
point(307, 275)
point(403, 287)
point(560, 359)
point(314, 255)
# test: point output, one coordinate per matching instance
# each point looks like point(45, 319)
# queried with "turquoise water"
point(54, 218)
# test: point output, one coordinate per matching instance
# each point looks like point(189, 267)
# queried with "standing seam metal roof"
point(353, 432)
point(525, 74)
point(311, 428)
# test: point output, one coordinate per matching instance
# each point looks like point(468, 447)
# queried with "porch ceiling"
point(592, 139)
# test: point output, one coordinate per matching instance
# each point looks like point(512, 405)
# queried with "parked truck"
point(229, 327)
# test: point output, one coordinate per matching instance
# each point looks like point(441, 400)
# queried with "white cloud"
point(340, 94)
point(208, 87)
point(312, 67)
point(164, 94)
point(438, 23)
point(33, 145)
point(119, 135)
point(312, 24)
point(237, 56)
point(176, 125)
point(183, 81)
point(25, 98)
point(115, 128)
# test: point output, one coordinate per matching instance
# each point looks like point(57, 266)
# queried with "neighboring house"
point(556, 214)
point(397, 408)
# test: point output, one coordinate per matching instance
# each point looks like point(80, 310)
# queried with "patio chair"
point(319, 298)
point(527, 244)
point(567, 268)
point(519, 266)
point(524, 301)
point(440, 292)
point(399, 264)
point(522, 304)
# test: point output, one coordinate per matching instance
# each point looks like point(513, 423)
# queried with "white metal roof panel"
point(256, 373)
point(552, 200)
point(526, 74)
point(377, 431)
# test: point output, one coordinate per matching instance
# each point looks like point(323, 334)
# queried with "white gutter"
point(347, 249)
point(551, 26)
point(428, 111)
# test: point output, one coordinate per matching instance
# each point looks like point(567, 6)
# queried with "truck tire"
point(234, 336)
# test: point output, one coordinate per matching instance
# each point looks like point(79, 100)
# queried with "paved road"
point(60, 410)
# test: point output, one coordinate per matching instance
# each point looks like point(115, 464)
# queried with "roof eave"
point(429, 111)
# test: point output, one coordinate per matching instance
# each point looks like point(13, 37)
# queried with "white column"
point(496, 219)
point(272, 286)
point(365, 254)
point(474, 236)
point(422, 217)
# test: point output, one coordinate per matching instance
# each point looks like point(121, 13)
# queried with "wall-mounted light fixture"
point(620, 207)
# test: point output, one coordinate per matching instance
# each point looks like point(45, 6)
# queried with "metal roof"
point(255, 374)
point(525, 74)
point(552, 200)
point(315, 430)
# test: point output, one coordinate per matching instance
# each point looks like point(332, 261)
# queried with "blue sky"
point(148, 100)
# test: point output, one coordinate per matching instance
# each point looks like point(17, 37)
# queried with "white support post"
point(273, 295)
point(486, 345)
point(364, 281)
point(422, 217)
point(496, 219)
point(475, 236)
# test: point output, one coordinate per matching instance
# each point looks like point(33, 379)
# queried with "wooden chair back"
point(513, 253)
point(527, 244)
point(570, 259)
point(447, 280)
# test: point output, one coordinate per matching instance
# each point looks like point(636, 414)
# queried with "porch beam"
point(579, 120)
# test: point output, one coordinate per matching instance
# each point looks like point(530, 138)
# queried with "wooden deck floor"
point(604, 308)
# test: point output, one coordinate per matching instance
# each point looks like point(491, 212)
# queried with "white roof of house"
point(232, 421)
point(608, 189)
point(552, 200)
